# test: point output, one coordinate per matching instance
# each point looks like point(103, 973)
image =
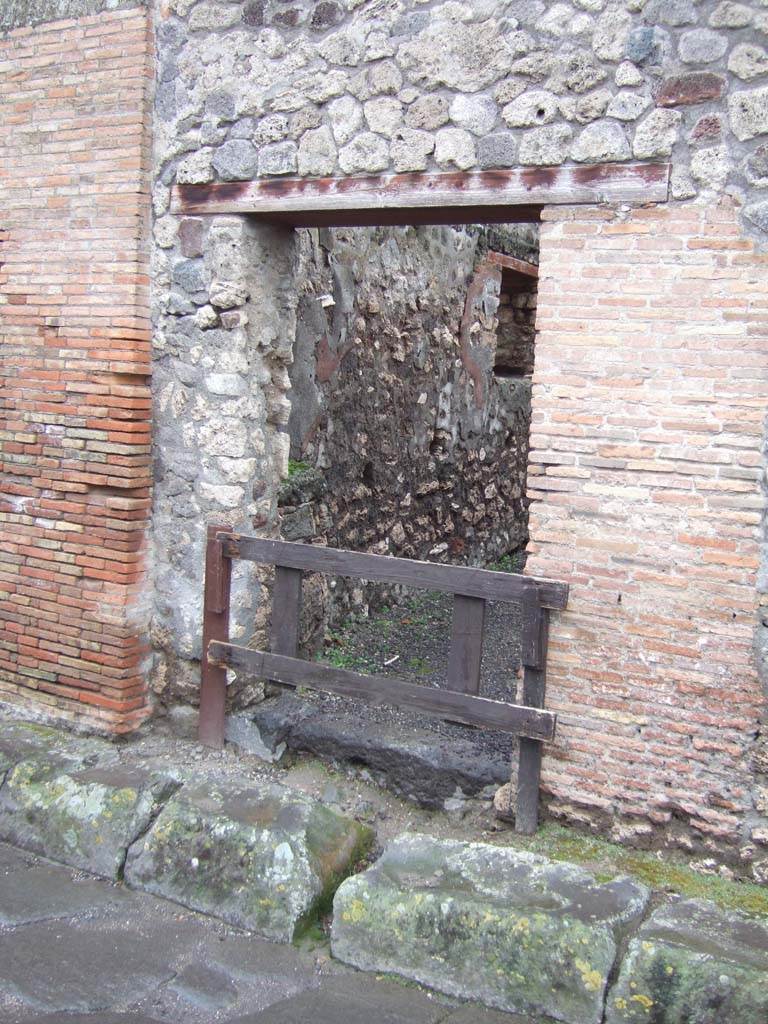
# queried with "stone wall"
point(414, 447)
point(75, 343)
point(264, 88)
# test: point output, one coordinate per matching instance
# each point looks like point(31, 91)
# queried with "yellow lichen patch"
point(522, 926)
point(592, 979)
point(644, 1001)
point(355, 913)
point(620, 1003)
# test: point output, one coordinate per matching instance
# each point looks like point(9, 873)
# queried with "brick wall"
point(74, 402)
point(646, 480)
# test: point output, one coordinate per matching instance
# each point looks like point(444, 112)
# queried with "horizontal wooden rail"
point(460, 707)
point(452, 579)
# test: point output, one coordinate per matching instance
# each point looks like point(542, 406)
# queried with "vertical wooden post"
point(535, 636)
point(213, 680)
point(286, 614)
point(466, 644)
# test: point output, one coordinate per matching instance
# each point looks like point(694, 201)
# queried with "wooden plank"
point(286, 616)
point(530, 753)
point(537, 186)
point(451, 579)
point(286, 611)
point(213, 678)
point(489, 714)
point(511, 263)
point(466, 644)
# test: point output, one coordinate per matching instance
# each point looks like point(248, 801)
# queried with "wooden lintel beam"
point(511, 263)
point(299, 200)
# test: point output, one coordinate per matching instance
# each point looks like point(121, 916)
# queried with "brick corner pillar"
point(74, 378)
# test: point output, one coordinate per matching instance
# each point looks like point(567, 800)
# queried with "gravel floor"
point(411, 640)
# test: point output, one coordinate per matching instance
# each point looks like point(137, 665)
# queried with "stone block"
point(693, 962)
point(690, 89)
point(20, 741)
point(546, 146)
point(508, 928)
point(701, 46)
point(266, 859)
point(86, 817)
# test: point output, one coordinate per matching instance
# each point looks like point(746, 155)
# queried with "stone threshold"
point(433, 771)
point(507, 928)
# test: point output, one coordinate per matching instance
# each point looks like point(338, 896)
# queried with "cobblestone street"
point(74, 948)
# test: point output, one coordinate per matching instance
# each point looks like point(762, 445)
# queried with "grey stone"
point(601, 142)
point(628, 74)
point(646, 45)
point(588, 108)
point(731, 15)
point(748, 112)
point(410, 149)
point(262, 858)
point(574, 73)
point(464, 57)
point(317, 152)
point(92, 967)
point(53, 894)
point(748, 61)
point(711, 166)
point(385, 78)
point(757, 214)
point(756, 167)
point(657, 134)
point(366, 152)
point(236, 160)
point(231, 385)
point(545, 146)
point(455, 146)
point(278, 158)
point(532, 108)
point(346, 116)
point(189, 274)
point(429, 112)
point(243, 731)
point(611, 34)
point(351, 1000)
point(497, 150)
point(383, 115)
point(20, 741)
point(209, 16)
point(409, 761)
point(701, 46)
point(670, 12)
point(205, 986)
point(510, 929)
point(475, 113)
point(196, 169)
point(509, 89)
point(271, 128)
point(84, 817)
point(693, 962)
point(627, 106)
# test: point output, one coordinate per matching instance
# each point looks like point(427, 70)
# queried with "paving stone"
point(351, 1000)
point(510, 929)
point(84, 817)
point(22, 740)
point(64, 966)
point(261, 858)
point(693, 962)
point(205, 986)
point(53, 894)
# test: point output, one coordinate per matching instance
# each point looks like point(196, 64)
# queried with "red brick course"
point(74, 396)
point(649, 399)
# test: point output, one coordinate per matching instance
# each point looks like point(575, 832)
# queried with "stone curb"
point(527, 935)
point(507, 928)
